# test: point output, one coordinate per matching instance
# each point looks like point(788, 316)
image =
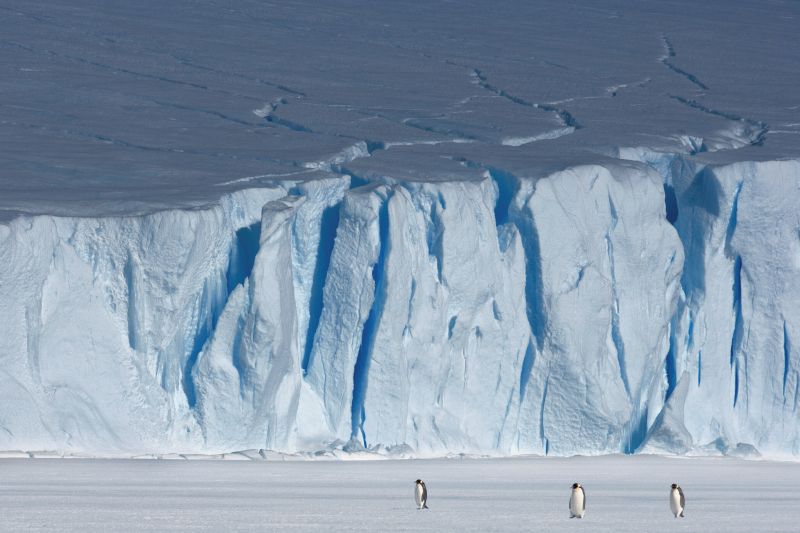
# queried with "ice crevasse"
point(645, 303)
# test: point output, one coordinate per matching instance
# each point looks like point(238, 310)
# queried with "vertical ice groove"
point(328, 227)
point(545, 441)
point(506, 188)
point(796, 392)
point(670, 363)
point(523, 219)
point(786, 352)
point(238, 358)
point(506, 185)
point(209, 305)
point(637, 431)
point(736, 337)
point(214, 295)
point(133, 324)
point(670, 204)
point(699, 367)
point(733, 219)
point(612, 209)
point(616, 334)
point(410, 312)
point(451, 324)
point(361, 369)
point(32, 326)
point(509, 404)
point(527, 368)
point(737, 308)
point(242, 255)
point(496, 311)
point(434, 236)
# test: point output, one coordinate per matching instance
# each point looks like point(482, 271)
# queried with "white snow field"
point(623, 494)
point(418, 228)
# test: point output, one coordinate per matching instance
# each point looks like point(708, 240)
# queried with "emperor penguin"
point(676, 501)
point(421, 495)
point(577, 501)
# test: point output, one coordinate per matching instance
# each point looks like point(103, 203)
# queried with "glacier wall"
point(642, 303)
point(733, 379)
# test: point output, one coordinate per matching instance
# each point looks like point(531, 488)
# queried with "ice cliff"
point(602, 308)
point(418, 228)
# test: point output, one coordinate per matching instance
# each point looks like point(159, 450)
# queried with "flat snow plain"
point(623, 493)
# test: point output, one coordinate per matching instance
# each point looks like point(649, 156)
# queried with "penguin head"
point(576, 485)
point(674, 486)
point(418, 481)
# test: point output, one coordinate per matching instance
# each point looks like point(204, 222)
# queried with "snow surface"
point(550, 227)
point(622, 494)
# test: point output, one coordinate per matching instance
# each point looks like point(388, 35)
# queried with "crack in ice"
point(665, 60)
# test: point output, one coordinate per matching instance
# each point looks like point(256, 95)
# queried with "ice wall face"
point(299, 227)
point(610, 265)
point(502, 315)
point(104, 318)
point(446, 304)
point(732, 361)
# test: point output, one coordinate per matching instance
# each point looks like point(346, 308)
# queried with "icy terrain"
point(417, 228)
point(623, 494)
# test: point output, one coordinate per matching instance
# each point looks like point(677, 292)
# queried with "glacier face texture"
point(734, 368)
point(414, 231)
point(570, 317)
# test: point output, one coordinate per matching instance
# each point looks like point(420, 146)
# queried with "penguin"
point(421, 495)
point(676, 501)
point(577, 501)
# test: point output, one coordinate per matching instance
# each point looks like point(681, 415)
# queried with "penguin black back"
point(421, 494)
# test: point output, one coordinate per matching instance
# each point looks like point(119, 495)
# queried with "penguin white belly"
point(576, 504)
point(675, 503)
point(418, 496)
